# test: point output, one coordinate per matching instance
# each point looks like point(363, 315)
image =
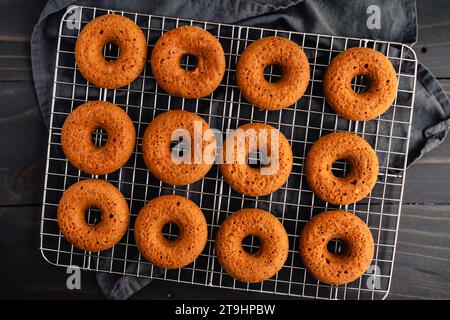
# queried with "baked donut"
point(361, 176)
point(191, 223)
point(93, 193)
point(273, 51)
point(76, 137)
point(104, 30)
point(270, 257)
point(330, 267)
point(157, 154)
point(380, 93)
point(250, 181)
point(183, 41)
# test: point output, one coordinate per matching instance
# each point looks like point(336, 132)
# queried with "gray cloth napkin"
point(339, 17)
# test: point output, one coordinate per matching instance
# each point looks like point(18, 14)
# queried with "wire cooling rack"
point(294, 204)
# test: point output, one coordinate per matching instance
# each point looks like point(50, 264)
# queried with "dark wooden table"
point(423, 253)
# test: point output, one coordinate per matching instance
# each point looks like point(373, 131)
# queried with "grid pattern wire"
point(294, 204)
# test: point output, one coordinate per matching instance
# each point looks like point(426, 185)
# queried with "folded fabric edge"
point(437, 133)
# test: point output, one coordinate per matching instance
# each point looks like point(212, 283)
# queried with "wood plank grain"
point(427, 183)
point(440, 155)
point(18, 18)
point(16, 24)
point(25, 274)
point(445, 83)
point(15, 61)
point(433, 45)
point(423, 254)
point(421, 265)
point(23, 271)
point(23, 140)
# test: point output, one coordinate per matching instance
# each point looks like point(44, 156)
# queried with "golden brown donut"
point(177, 43)
point(359, 180)
point(270, 257)
point(104, 30)
point(76, 137)
point(273, 51)
point(191, 223)
point(157, 154)
point(330, 267)
point(253, 181)
point(93, 193)
point(380, 93)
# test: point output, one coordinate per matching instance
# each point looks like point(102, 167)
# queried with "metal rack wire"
point(294, 204)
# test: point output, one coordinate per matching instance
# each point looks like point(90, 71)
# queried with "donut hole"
point(273, 73)
point(92, 216)
point(99, 137)
point(171, 231)
point(188, 62)
point(337, 246)
point(111, 52)
point(258, 159)
point(251, 244)
point(340, 168)
point(361, 83)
